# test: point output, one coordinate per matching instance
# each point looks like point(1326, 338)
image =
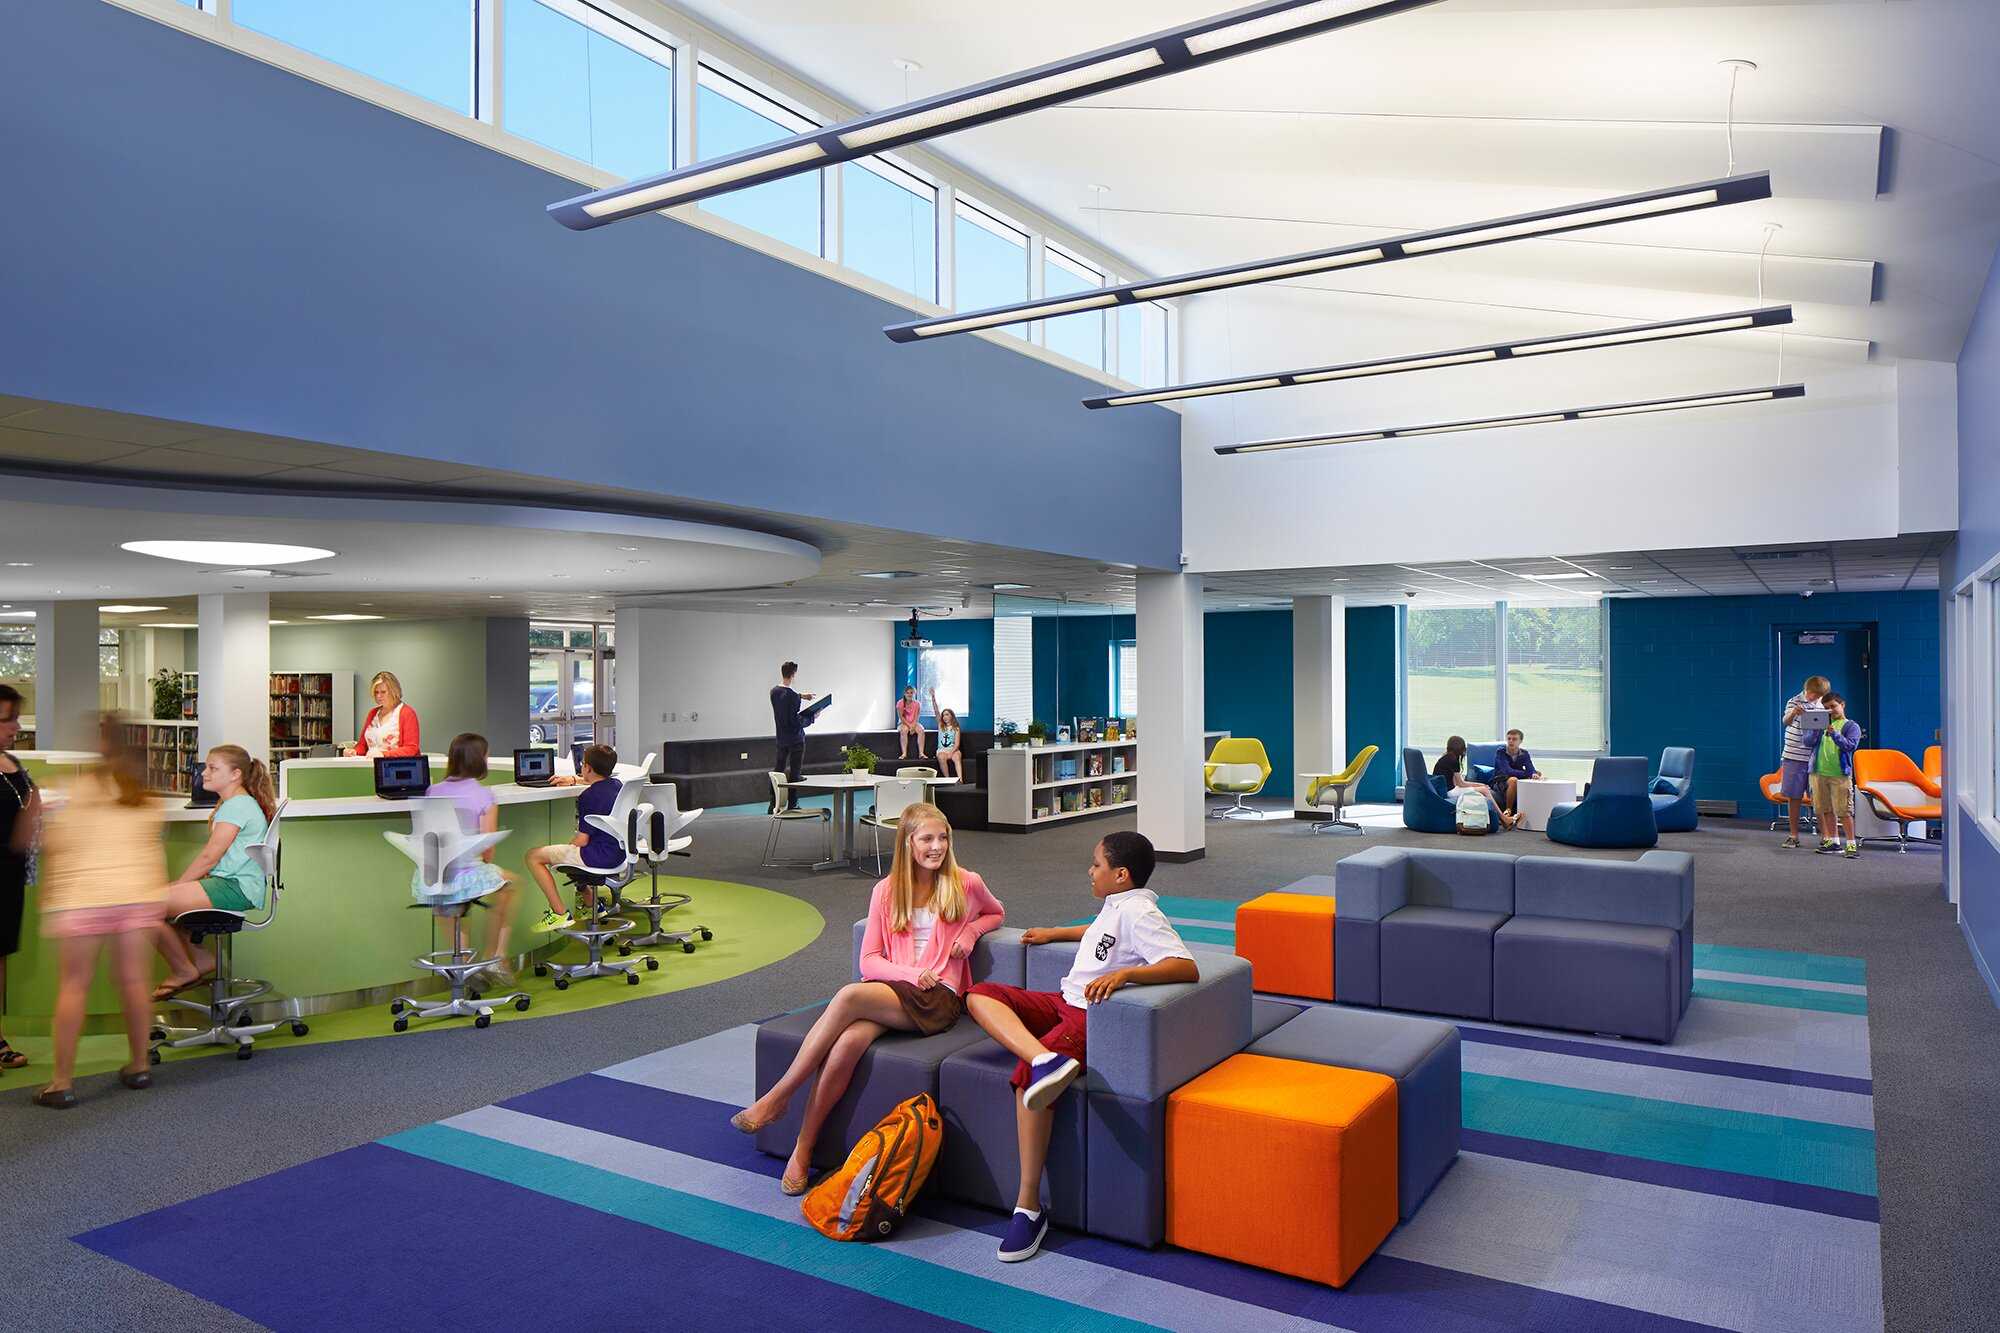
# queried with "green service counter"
point(346, 927)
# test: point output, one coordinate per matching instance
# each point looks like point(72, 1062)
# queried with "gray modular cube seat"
point(1144, 1042)
point(1415, 928)
point(899, 1065)
point(1598, 946)
point(980, 1161)
point(1421, 1054)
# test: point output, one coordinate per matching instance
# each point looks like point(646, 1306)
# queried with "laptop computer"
point(398, 779)
point(534, 768)
point(199, 796)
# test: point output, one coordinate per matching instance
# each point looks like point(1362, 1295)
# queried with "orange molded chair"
point(1896, 789)
point(1934, 769)
point(1768, 784)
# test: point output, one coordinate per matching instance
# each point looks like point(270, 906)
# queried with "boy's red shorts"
point(1050, 1019)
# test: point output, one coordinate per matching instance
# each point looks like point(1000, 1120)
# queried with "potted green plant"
point(1010, 731)
point(859, 758)
point(167, 694)
point(1038, 732)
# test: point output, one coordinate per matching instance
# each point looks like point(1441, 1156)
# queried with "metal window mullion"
point(687, 79)
point(832, 219)
point(1037, 330)
point(487, 16)
point(945, 250)
point(1500, 669)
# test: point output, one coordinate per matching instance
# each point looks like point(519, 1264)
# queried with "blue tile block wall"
point(1700, 671)
point(1247, 684)
point(977, 637)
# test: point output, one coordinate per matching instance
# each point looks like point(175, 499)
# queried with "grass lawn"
point(1558, 709)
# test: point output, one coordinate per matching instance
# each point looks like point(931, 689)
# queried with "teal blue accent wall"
point(1085, 645)
point(976, 635)
point(1371, 697)
point(1247, 684)
point(1701, 671)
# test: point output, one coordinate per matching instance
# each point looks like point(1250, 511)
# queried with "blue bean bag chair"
point(1428, 806)
point(1618, 812)
point(1480, 761)
point(1673, 791)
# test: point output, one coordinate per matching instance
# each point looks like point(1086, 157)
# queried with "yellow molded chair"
point(1337, 789)
point(1238, 767)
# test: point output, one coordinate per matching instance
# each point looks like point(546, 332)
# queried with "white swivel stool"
point(229, 997)
point(435, 843)
point(602, 926)
point(653, 834)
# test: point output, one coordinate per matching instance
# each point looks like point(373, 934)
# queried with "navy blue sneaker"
point(1024, 1235)
point(1048, 1075)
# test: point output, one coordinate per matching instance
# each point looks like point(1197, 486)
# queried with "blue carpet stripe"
point(1702, 1180)
point(358, 1212)
point(1387, 1295)
point(1638, 1055)
point(935, 1290)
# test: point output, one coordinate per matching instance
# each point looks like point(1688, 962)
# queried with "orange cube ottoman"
point(1283, 1164)
point(1288, 938)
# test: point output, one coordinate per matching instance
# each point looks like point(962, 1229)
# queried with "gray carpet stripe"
point(1795, 983)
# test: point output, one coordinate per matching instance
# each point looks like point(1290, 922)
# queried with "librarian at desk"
point(390, 729)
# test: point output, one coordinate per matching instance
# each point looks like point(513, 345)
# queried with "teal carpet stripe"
point(1199, 909)
point(1781, 964)
point(880, 1272)
point(1206, 935)
point(1805, 1152)
point(1788, 997)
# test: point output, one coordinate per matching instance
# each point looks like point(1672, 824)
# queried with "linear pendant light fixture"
point(1767, 394)
point(1548, 222)
point(1463, 356)
point(1189, 46)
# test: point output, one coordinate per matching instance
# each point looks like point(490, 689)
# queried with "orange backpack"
point(871, 1193)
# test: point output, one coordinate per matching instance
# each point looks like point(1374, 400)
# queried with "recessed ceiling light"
point(20, 564)
point(763, 603)
point(227, 553)
point(628, 548)
point(1008, 587)
point(250, 573)
point(558, 576)
point(495, 597)
point(1649, 580)
point(281, 622)
point(17, 615)
point(120, 609)
point(888, 573)
point(951, 571)
point(1618, 569)
point(345, 615)
point(170, 624)
point(1551, 578)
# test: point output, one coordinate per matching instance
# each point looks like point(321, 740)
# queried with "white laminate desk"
point(844, 786)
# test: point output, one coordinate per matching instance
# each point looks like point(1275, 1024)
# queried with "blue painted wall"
point(1372, 714)
point(1978, 542)
point(218, 241)
point(1247, 679)
point(1700, 671)
point(976, 635)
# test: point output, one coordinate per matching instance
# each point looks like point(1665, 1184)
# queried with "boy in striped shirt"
point(1795, 762)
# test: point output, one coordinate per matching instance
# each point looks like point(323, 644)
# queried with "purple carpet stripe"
point(1700, 1180)
point(343, 1243)
point(1388, 1295)
point(1694, 1064)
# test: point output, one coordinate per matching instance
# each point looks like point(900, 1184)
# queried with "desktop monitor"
point(534, 768)
point(199, 796)
point(398, 779)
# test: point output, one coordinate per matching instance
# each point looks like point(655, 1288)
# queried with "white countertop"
point(174, 809)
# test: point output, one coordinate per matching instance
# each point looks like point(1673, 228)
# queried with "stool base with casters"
point(229, 997)
point(601, 927)
point(457, 966)
point(656, 907)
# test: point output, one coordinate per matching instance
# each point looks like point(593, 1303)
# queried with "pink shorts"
point(80, 921)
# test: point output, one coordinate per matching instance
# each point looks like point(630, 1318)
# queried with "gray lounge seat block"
point(1420, 1054)
point(980, 1161)
point(1439, 960)
point(998, 956)
point(1655, 890)
point(1591, 976)
point(899, 1065)
point(1126, 1192)
point(1357, 961)
point(1267, 1016)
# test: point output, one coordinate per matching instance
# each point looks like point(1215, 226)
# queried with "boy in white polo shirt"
point(1131, 943)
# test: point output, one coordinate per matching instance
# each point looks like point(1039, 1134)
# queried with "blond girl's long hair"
point(256, 777)
point(947, 893)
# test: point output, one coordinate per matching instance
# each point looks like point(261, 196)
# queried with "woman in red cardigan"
point(390, 729)
point(922, 923)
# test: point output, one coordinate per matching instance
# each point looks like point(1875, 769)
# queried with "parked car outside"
point(545, 706)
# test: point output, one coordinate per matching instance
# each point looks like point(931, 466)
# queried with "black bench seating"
point(734, 770)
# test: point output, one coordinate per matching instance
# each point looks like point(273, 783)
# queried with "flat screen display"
point(402, 777)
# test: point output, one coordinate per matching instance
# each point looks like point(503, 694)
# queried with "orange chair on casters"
point(1934, 768)
point(1769, 785)
point(1896, 790)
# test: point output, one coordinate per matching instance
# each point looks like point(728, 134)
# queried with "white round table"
point(1534, 798)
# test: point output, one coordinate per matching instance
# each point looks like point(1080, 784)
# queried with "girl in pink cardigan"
point(922, 923)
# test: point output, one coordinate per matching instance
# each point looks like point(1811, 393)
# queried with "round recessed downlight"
point(888, 574)
point(234, 554)
point(120, 609)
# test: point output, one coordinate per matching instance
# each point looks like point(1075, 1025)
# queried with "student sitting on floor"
point(591, 848)
point(1131, 943)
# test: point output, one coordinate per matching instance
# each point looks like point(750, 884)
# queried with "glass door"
point(566, 665)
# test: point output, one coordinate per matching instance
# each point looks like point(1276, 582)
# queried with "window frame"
point(1054, 254)
point(719, 77)
point(1500, 666)
point(906, 177)
point(962, 652)
point(629, 31)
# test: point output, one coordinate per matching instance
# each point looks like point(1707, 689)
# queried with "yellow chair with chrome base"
point(1237, 767)
point(1337, 789)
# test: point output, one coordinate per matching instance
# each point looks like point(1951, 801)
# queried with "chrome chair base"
point(593, 935)
point(458, 967)
point(1236, 811)
point(1334, 825)
point(225, 1012)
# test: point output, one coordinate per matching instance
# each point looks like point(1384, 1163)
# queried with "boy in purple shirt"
point(1510, 765)
point(591, 848)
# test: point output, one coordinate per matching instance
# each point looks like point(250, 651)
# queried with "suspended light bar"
point(1549, 222)
point(1189, 46)
point(1769, 394)
point(1395, 365)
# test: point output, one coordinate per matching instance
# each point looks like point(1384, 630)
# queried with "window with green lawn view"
point(1477, 671)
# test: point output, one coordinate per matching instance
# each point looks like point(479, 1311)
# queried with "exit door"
point(1844, 654)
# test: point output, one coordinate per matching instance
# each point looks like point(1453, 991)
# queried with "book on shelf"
point(1066, 768)
point(1094, 797)
point(1041, 809)
point(1118, 762)
point(1120, 793)
point(1095, 767)
point(1072, 800)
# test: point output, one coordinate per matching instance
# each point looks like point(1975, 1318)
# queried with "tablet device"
point(1814, 719)
point(814, 709)
point(398, 779)
point(534, 768)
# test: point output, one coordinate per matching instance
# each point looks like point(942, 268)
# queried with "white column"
point(234, 656)
point(1319, 689)
point(66, 699)
point(1170, 715)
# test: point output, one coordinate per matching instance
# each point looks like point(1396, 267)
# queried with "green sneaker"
point(553, 921)
point(1790, 844)
point(1829, 844)
point(1853, 851)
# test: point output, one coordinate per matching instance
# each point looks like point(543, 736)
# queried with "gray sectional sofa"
point(1590, 945)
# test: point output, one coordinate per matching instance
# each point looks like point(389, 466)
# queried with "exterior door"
point(1844, 654)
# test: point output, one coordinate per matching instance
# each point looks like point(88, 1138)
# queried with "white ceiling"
point(1880, 123)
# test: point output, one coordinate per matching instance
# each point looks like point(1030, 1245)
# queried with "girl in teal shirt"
point(223, 874)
